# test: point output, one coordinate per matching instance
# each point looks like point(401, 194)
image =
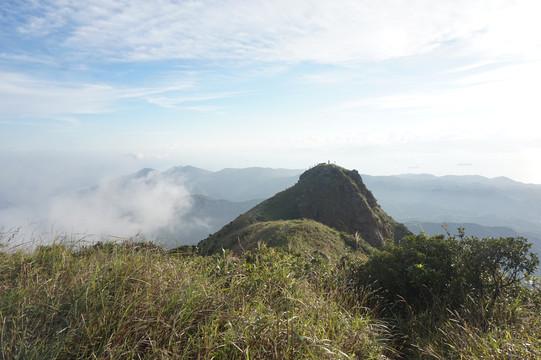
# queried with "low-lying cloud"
point(143, 205)
point(147, 205)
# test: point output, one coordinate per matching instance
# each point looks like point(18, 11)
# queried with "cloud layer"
point(148, 205)
point(278, 30)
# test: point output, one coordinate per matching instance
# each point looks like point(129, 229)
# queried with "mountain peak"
point(329, 175)
point(338, 198)
point(330, 195)
point(142, 173)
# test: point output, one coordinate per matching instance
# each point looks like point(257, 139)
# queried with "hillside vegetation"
point(292, 235)
point(137, 301)
point(327, 199)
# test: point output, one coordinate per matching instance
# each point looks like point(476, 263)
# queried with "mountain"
point(410, 198)
point(233, 184)
point(326, 194)
point(460, 199)
point(207, 216)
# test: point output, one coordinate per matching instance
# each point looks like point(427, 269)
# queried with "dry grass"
point(138, 302)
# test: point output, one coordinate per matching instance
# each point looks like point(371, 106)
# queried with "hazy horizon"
point(45, 198)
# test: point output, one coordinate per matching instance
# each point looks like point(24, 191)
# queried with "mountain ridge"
point(327, 194)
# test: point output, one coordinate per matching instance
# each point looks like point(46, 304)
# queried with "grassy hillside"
point(137, 301)
point(303, 235)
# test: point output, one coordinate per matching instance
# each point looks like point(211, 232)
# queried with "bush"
point(494, 266)
point(423, 271)
point(419, 271)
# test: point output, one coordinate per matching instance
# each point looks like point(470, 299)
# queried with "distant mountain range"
point(497, 206)
point(474, 199)
point(488, 207)
point(234, 184)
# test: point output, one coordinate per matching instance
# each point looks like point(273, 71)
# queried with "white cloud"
point(266, 31)
point(143, 205)
point(24, 58)
point(150, 206)
point(499, 103)
point(172, 101)
point(309, 30)
point(23, 95)
point(511, 29)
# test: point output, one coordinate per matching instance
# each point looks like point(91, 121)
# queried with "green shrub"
point(437, 291)
point(424, 271)
point(493, 267)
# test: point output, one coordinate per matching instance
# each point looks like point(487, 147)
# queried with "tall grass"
point(512, 332)
point(136, 301)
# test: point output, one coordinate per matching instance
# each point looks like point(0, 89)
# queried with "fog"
point(84, 198)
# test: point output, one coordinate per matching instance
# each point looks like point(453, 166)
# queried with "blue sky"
point(385, 87)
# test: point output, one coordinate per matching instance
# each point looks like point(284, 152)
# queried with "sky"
point(92, 90)
point(385, 87)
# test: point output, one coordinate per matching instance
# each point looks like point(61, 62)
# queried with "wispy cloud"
point(26, 58)
point(308, 30)
point(227, 77)
point(500, 100)
point(151, 206)
point(142, 205)
point(332, 77)
point(495, 105)
point(174, 101)
point(24, 96)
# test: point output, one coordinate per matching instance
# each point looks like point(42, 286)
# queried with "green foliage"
point(425, 270)
point(438, 290)
point(417, 273)
point(302, 235)
point(136, 301)
point(492, 266)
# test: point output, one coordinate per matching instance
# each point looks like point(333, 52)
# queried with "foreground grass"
point(136, 301)
point(512, 332)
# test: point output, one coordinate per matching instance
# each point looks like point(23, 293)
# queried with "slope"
point(327, 194)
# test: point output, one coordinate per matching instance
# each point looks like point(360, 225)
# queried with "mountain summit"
point(327, 194)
